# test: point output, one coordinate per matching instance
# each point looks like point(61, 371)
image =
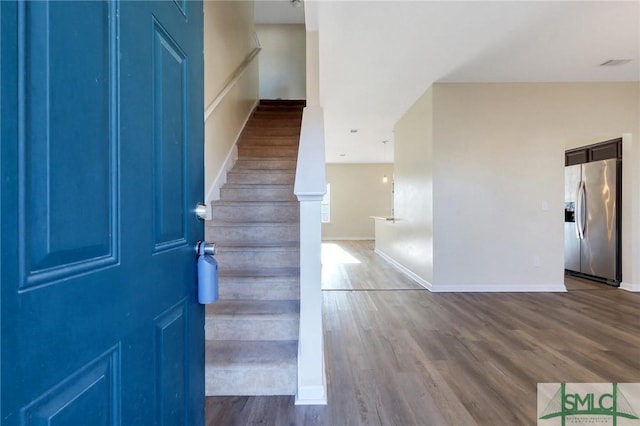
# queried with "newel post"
point(310, 187)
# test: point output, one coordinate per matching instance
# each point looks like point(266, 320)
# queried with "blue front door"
point(101, 167)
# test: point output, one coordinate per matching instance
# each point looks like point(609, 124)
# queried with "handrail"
point(385, 218)
point(231, 82)
point(310, 171)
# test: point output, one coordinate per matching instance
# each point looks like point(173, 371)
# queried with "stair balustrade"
point(310, 187)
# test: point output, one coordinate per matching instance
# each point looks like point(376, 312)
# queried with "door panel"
point(172, 373)
point(572, 177)
point(169, 81)
point(101, 165)
point(58, 242)
point(89, 394)
point(600, 236)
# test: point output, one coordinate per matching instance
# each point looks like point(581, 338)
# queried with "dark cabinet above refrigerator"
point(595, 152)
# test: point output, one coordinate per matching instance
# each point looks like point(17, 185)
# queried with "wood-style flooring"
point(353, 265)
point(411, 357)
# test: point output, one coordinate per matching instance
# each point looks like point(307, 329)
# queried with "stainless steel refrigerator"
point(591, 234)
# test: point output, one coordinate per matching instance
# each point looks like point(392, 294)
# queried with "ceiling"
point(377, 57)
point(278, 12)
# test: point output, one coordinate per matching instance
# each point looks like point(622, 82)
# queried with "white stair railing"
point(231, 82)
point(310, 187)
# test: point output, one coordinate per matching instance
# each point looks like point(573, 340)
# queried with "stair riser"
point(284, 102)
point(267, 151)
point(278, 116)
point(288, 141)
point(275, 131)
point(248, 234)
point(263, 213)
point(261, 178)
point(279, 109)
point(245, 380)
point(288, 164)
point(236, 260)
point(257, 194)
point(257, 289)
point(248, 328)
point(272, 122)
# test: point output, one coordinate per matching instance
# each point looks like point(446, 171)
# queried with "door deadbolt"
point(201, 211)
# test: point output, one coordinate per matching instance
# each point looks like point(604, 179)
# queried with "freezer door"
point(571, 248)
point(572, 177)
point(599, 246)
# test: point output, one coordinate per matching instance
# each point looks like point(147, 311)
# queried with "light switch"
point(544, 206)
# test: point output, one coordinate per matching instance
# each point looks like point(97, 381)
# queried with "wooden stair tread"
point(241, 353)
point(260, 308)
point(258, 224)
point(257, 185)
point(261, 272)
point(274, 246)
point(265, 171)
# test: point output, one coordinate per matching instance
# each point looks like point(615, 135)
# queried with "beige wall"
point(498, 180)
point(282, 61)
point(228, 39)
point(357, 192)
point(412, 234)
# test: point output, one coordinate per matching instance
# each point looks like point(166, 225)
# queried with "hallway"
point(411, 357)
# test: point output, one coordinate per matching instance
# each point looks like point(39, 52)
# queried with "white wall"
point(498, 181)
point(357, 192)
point(631, 211)
point(228, 39)
point(282, 61)
point(312, 69)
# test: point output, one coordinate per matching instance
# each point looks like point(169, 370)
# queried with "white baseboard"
point(230, 160)
point(214, 190)
point(630, 287)
point(497, 288)
point(424, 283)
point(465, 288)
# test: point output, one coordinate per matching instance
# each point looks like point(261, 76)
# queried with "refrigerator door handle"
point(577, 211)
point(581, 210)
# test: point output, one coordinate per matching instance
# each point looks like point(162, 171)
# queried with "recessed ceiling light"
point(353, 131)
point(614, 62)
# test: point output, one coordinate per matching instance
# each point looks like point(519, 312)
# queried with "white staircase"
point(252, 331)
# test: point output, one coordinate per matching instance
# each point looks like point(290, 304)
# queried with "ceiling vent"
point(615, 62)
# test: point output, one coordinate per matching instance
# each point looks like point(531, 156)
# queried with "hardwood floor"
point(353, 265)
point(412, 357)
